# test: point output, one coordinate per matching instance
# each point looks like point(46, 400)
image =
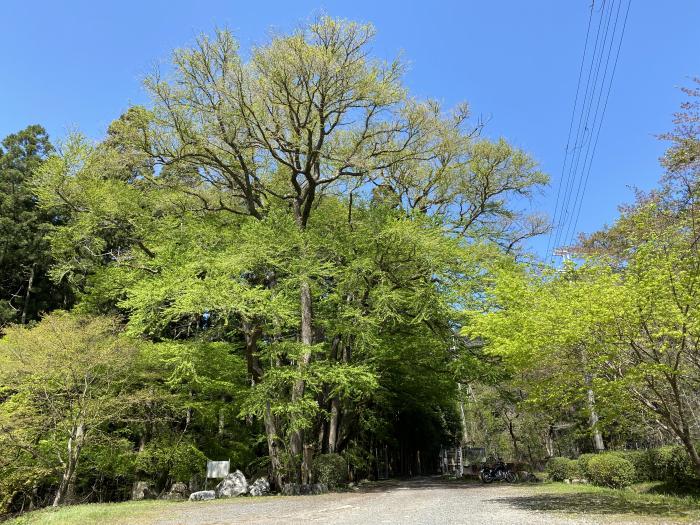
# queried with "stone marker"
point(232, 485)
point(202, 495)
point(260, 487)
point(142, 490)
point(178, 491)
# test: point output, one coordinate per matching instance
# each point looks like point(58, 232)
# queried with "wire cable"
point(605, 105)
point(570, 176)
point(571, 127)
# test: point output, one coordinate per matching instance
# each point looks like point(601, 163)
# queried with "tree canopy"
point(288, 260)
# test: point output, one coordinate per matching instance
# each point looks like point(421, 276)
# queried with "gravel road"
point(422, 501)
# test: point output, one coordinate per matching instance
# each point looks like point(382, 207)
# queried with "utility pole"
point(598, 443)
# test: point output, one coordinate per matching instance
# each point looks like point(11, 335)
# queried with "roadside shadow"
point(419, 483)
point(595, 503)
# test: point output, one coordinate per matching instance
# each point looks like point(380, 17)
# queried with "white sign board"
point(218, 469)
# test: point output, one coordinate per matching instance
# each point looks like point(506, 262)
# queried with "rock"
point(319, 488)
point(142, 490)
point(202, 495)
point(260, 487)
point(232, 485)
point(290, 489)
point(178, 491)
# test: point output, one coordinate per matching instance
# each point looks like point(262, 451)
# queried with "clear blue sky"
point(79, 64)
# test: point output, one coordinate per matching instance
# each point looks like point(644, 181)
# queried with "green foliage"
point(177, 461)
point(610, 470)
point(671, 464)
point(582, 461)
point(644, 464)
point(25, 258)
point(19, 483)
point(331, 469)
point(560, 469)
point(291, 241)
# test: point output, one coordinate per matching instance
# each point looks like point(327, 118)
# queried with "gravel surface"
point(423, 501)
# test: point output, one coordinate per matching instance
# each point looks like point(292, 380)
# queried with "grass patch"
point(97, 513)
point(644, 500)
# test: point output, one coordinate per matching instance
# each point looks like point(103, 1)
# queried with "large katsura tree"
point(300, 200)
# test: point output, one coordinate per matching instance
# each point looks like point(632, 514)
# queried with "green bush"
point(671, 464)
point(560, 469)
point(331, 469)
point(178, 461)
point(18, 483)
point(610, 470)
point(582, 462)
point(643, 464)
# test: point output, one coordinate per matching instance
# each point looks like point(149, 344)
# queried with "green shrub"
point(18, 483)
point(610, 470)
point(560, 469)
point(177, 462)
point(582, 462)
point(672, 464)
point(643, 464)
point(331, 469)
point(573, 471)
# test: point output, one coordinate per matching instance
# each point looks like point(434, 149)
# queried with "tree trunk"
point(222, 419)
point(305, 300)
point(549, 441)
point(25, 306)
point(306, 464)
point(514, 439)
point(65, 487)
point(693, 454)
point(272, 448)
point(333, 425)
point(252, 333)
point(598, 444)
point(459, 461)
point(462, 417)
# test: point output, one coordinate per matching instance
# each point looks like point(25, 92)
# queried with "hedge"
point(560, 469)
point(610, 470)
point(331, 469)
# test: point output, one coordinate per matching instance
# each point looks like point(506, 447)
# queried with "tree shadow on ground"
point(673, 489)
point(600, 503)
point(420, 483)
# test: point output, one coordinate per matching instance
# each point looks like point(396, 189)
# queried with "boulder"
point(290, 489)
point(142, 490)
point(294, 489)
point(202, 495)
point(178, 491)
point(232, 485)
point(318, 488)
point(260, 487)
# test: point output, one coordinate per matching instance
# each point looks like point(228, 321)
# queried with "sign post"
point(217, 470)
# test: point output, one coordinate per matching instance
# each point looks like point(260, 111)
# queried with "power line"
point(605, 105)
point(569, 178)
point(565, 230)
point(571, 127)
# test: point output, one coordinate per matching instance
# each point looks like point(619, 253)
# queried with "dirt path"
point(423, 501)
